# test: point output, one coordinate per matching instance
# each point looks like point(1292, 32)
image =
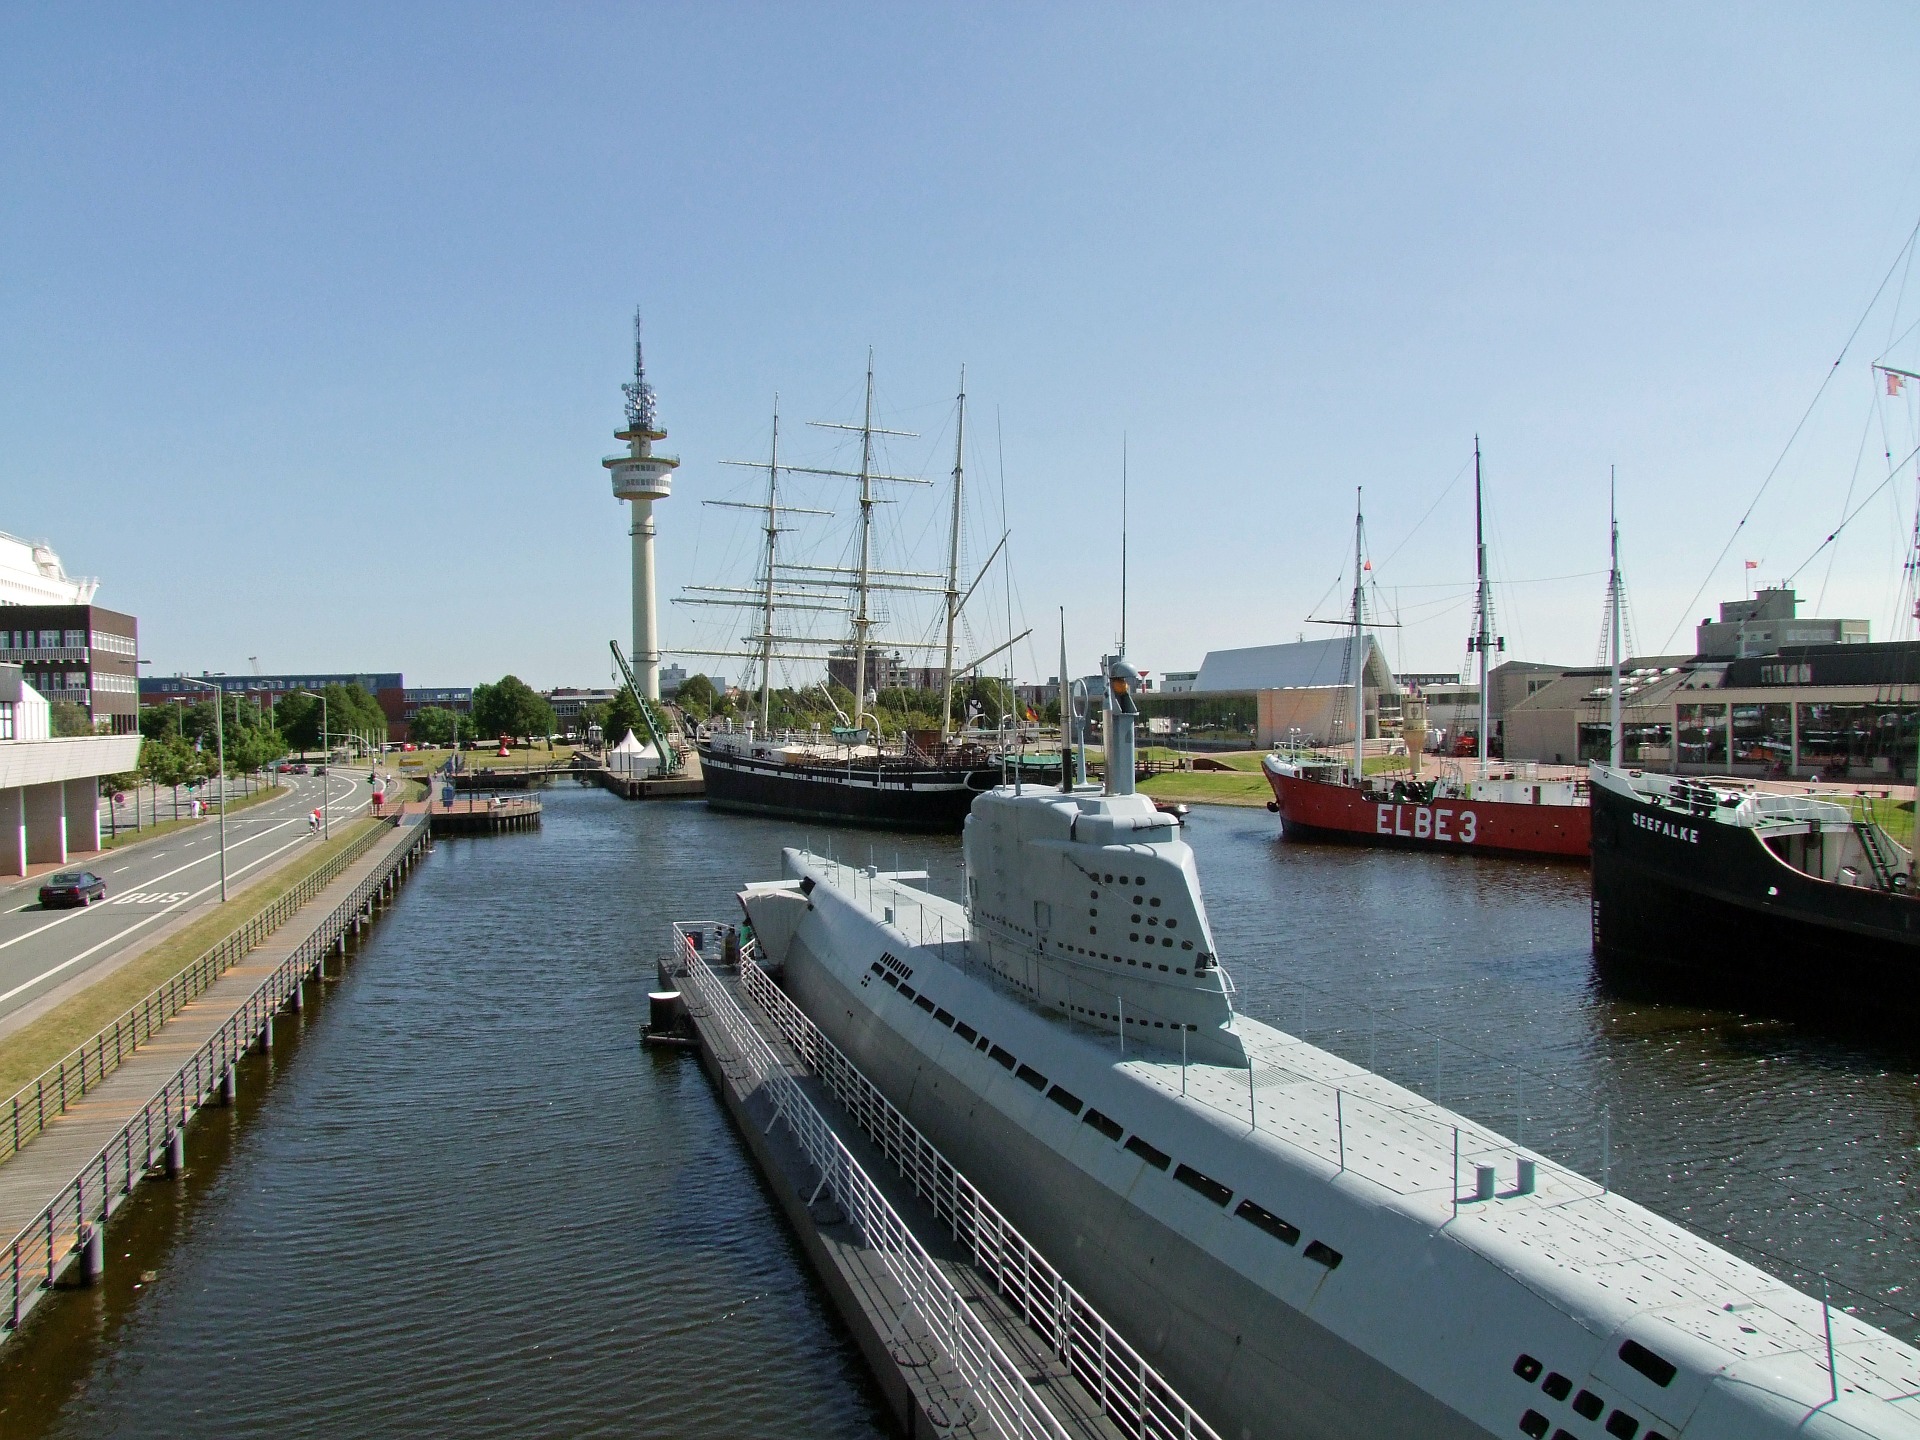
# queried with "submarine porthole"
point(1323, 1254)
point(1159, 1159)
point(1265, 1219)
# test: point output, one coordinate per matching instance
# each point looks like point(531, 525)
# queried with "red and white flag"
point(1896, 382)
point(1753, 564)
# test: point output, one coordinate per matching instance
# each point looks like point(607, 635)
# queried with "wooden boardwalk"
point(84, 1165)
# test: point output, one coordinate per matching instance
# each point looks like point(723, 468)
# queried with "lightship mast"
point(1484, 640)
point(1359, 643)
point(1613, 604)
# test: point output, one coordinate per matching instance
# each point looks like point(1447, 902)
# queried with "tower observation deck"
point(642, 477)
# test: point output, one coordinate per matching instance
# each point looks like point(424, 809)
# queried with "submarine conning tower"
point(1090, 905)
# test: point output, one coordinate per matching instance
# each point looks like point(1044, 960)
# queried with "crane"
point(669, 757)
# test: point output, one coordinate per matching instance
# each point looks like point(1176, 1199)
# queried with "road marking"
point(147, 920)
point(154, 880)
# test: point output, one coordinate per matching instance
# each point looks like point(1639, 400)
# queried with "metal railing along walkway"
point(63, 1083)
point(41, 1250)
point(1127, 1389)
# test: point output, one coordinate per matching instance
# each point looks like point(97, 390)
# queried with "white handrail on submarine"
point(1124, 1385)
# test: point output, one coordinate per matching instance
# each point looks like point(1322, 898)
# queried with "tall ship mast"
point(1320, 797)
point(850, 774)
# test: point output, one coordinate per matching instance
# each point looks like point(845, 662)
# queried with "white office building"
point(49, 788)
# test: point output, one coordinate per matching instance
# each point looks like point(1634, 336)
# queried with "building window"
point(1641, 743)
point(6, 720)
point(1763, 735)
point(1701, 731)
point(1874, 740)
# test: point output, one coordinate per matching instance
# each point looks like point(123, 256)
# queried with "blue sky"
point(312, 321)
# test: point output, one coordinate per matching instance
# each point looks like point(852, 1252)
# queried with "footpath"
point(59, 1188)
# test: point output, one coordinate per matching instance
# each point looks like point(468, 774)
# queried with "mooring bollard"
point(1527, 1177)
point(229, 1086)
point(93, 1254)
point(1483, 1182)
point(176, 1154)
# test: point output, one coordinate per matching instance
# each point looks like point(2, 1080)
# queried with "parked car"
point(72, 887)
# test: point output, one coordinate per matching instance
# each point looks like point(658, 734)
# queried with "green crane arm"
point(669, 757)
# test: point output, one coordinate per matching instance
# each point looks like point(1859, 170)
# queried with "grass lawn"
point(235, 804)
point(46, 1041)
point(483, 759)
point(1209, 787)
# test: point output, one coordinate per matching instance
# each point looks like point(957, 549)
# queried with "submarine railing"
point(1128, 1390)
point(995, 1381)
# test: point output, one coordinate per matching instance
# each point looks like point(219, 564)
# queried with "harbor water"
point(460, 1196)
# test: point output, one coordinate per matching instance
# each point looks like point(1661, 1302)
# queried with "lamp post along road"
point(220, 742)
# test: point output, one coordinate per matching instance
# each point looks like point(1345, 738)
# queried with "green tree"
point(68, 719)
point(697, 696)
point(622, 713)
point(157, 722)
point(352, 711)
point(511, 707)
point(349, 710)
point(297, 717)
point(171, 761)
point(437, 725)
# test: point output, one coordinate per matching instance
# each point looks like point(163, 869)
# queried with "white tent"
point(633, 759)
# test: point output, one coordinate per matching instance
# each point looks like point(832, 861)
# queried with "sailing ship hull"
point(890, 797)
point(1707, 911)
point(1317, 810)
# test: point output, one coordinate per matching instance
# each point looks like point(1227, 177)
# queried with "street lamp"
point(326, 807)
point(220, 739)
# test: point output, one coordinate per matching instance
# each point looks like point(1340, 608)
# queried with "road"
point(157, 882)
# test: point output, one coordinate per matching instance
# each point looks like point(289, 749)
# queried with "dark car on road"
point(72, 887)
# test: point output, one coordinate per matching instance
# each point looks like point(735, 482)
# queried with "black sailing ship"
point(924, 781)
